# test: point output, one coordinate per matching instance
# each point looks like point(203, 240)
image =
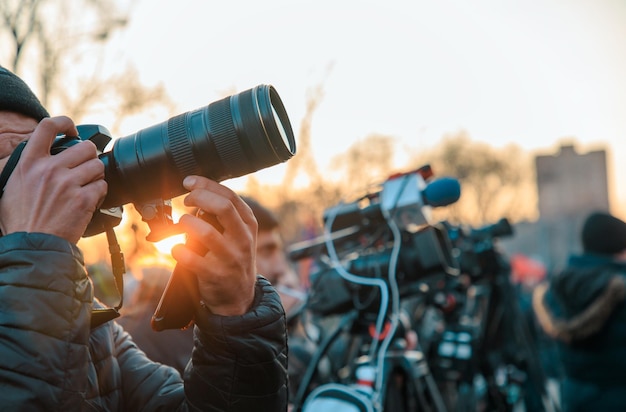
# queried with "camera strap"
point(98, 315)
point(10, 166)
point(103, 315)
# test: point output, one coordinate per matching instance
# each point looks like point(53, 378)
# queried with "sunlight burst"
point(165, 246)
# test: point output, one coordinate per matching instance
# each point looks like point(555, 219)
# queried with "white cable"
point(385, 290)
point(337, 265)
point(395, 304)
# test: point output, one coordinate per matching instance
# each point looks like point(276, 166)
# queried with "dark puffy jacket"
point(583, 309)
point(51, 360)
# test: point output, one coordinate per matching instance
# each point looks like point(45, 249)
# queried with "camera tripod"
point(502, 352)
point(407, 382)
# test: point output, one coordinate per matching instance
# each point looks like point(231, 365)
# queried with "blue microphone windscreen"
point(442, 192)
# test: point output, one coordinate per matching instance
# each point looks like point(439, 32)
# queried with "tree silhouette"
point(495, 182)
point(59, 47)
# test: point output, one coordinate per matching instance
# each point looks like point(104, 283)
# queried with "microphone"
point(441, 192)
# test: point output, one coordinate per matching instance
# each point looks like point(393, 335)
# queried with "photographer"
point(582, 309)
point(50, 356)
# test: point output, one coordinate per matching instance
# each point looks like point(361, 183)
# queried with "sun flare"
point(165, 246)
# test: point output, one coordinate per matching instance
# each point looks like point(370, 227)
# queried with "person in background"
point(582, 308)
point(273, 262)
point(53, 356)
point(171, 346)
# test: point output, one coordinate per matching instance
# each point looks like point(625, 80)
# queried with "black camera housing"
point(362, 239)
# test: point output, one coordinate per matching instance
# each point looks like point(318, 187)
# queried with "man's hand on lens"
point(226, 272)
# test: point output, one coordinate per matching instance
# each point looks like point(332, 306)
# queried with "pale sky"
point(532, 72)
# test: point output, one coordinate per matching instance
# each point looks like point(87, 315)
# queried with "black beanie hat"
point(16, 96)
point(604, 234)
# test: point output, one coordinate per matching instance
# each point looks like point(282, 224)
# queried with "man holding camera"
point(50, 356)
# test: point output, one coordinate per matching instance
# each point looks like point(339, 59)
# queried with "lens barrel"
point(231, 137)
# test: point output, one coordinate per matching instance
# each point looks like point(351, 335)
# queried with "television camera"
point(386, 233)
point(374, 251)
point(487, 337)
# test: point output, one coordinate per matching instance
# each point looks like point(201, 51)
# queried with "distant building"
point(570, 186)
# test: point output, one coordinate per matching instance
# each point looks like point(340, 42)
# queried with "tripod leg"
point(423, 381)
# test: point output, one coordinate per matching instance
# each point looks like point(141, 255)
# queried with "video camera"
point(386, 232)
point(476, 248)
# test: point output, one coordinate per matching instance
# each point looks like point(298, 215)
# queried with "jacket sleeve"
point(45, 308)
point(238, 363)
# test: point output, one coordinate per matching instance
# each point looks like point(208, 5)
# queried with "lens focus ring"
point(179, 146)
point(225, 137)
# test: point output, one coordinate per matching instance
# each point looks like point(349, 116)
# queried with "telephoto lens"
point(231, 137)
